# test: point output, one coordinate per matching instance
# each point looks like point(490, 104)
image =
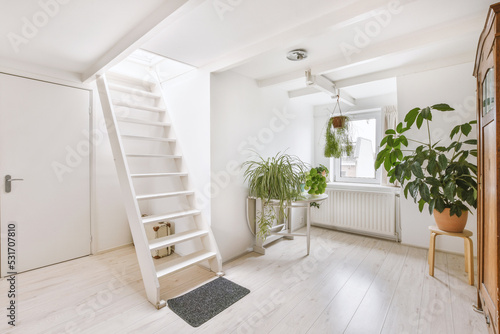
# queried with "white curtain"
point(390, 121)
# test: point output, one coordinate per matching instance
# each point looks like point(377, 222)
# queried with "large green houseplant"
point(274, 180)
point(433, 174)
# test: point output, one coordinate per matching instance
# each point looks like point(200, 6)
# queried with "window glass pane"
point(489, 92)
point(361, 163)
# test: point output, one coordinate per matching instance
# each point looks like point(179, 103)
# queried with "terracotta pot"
point(449, 223)
point(338, 121)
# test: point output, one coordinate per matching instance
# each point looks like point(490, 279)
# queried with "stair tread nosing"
point(158, 174)
point(154, 156)
point(121, 103)
point(134, 137)
point(183, 262)
point(170, 216)
point(175, 239)
point(141, 121)
point(116, 76)
point(171, 194)
point(134, 91)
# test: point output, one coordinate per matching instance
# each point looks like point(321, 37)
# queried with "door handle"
point(8, 184)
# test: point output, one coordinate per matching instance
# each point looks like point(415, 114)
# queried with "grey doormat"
point(204, 303)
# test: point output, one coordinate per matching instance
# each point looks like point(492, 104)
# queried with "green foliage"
point(316, 180)
point(337, 141)
point(276, 178)
point(439, 176)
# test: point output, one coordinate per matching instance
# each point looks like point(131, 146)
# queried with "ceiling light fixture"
point(297, 55)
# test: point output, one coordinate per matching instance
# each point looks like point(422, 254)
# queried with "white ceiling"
point(255, 36)
point(248, 37)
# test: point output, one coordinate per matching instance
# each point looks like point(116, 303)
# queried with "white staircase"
point(153, 179)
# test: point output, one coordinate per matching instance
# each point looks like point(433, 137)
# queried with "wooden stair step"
point(169, 140)
point(141, 121)
point(133, 91)
point(158, 174)
point(170, 216)
point(175, 239)
point(170, 156)
point(163, 195)
point(112, 75)
point(121, 103)
point(183, 262)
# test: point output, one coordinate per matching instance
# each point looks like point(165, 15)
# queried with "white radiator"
point(361, 211)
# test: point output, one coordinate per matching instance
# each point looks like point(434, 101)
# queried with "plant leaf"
point(439, 206)
point(420, 120)
point(424, 192)
point(449, 191)
point(411, 116)
point(431, 206)
point(443, 161)
point(455, 130)
point(421, 204)
point(426, 113)
point(404, 141)
point(399, 128)
point(442, 107)
point(390, 132)
point(416, 168)
point(471, 142)
point(466, 129)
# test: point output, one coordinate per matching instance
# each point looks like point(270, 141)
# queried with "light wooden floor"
point(349, 284)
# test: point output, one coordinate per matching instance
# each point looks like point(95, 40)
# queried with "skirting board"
point(375, 235)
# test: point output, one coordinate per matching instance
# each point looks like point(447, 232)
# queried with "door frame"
point(92, 151)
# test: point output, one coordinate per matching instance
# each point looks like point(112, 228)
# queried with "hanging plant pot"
point(449, 223)
point(338, 121)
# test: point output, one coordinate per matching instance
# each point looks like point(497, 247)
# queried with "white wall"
point(244, 116)
point(110, 223)
point(455, 86)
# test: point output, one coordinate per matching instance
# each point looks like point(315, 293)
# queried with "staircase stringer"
point(146, 264)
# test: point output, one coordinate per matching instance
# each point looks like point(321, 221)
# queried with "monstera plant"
point(435, 174)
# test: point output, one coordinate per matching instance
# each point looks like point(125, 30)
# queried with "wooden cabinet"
point(487, 70)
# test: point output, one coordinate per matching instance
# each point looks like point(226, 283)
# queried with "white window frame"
point(335, 163)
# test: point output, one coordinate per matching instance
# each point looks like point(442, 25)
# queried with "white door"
point(44, 141)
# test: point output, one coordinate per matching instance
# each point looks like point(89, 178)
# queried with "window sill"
point(364, 187)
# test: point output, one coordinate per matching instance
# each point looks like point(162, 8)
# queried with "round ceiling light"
point(297, 55)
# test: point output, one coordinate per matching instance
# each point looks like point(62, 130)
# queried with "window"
point(365, 130)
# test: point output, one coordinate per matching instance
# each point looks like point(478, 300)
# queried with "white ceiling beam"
point(337, 19)
point(344, 97)
point(394, 46)
point(302, 92)
point(167, 13)
point(406, 70)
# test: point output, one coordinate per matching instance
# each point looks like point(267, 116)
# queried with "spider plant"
point(274, 179)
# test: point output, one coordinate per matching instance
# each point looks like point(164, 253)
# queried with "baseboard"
point(113, 249)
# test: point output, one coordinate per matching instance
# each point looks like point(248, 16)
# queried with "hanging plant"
point(337, 136)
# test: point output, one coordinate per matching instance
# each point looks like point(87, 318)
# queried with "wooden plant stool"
point(469, 255)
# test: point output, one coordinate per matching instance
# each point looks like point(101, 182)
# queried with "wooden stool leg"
point(432, 250)
point(470, 258)
point(466, 255)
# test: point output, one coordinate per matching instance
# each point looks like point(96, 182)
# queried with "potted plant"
point(337, 140)
point(316, 182)
point(433, 173)
point(337, 137)
point(275, 180)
